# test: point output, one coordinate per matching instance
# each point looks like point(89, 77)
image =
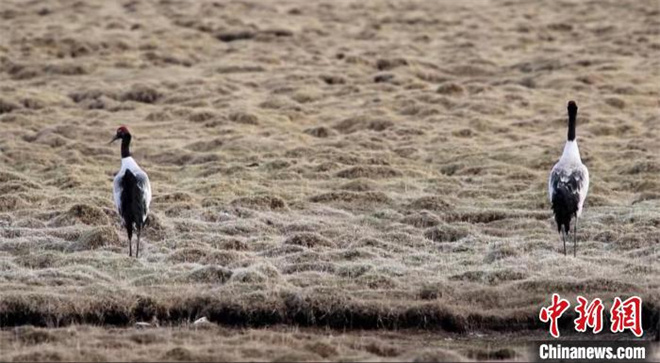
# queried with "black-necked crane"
point(569, 183)
point(132, 191)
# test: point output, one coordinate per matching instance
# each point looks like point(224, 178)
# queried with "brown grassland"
point(355, 180)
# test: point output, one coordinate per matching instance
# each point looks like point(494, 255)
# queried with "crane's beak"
point(114, 139)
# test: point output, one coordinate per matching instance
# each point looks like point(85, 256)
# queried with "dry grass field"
point(356, 180)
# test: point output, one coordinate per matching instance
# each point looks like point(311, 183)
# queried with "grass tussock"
point(369, 172)
point(309, 240)
point(431, 203)
point(351, 197)
point(422, 220)
point(83, 213)
point(260, 202)
point(98, 237)
point(446, 233)
point(209, 275)
point(141, 93)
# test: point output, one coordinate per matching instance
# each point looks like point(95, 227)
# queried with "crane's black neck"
point(125, 142)
point(572, 116)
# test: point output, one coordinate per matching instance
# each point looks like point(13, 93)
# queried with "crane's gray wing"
point(145, 187)
point(584, 186)
point(116, 191)
point(575, 179)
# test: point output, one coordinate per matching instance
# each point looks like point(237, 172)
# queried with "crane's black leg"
point(563, 238)
point(129, 231)
point(575, 237)
point(137, 247)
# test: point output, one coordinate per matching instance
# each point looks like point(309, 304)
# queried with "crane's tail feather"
point(565, 202)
